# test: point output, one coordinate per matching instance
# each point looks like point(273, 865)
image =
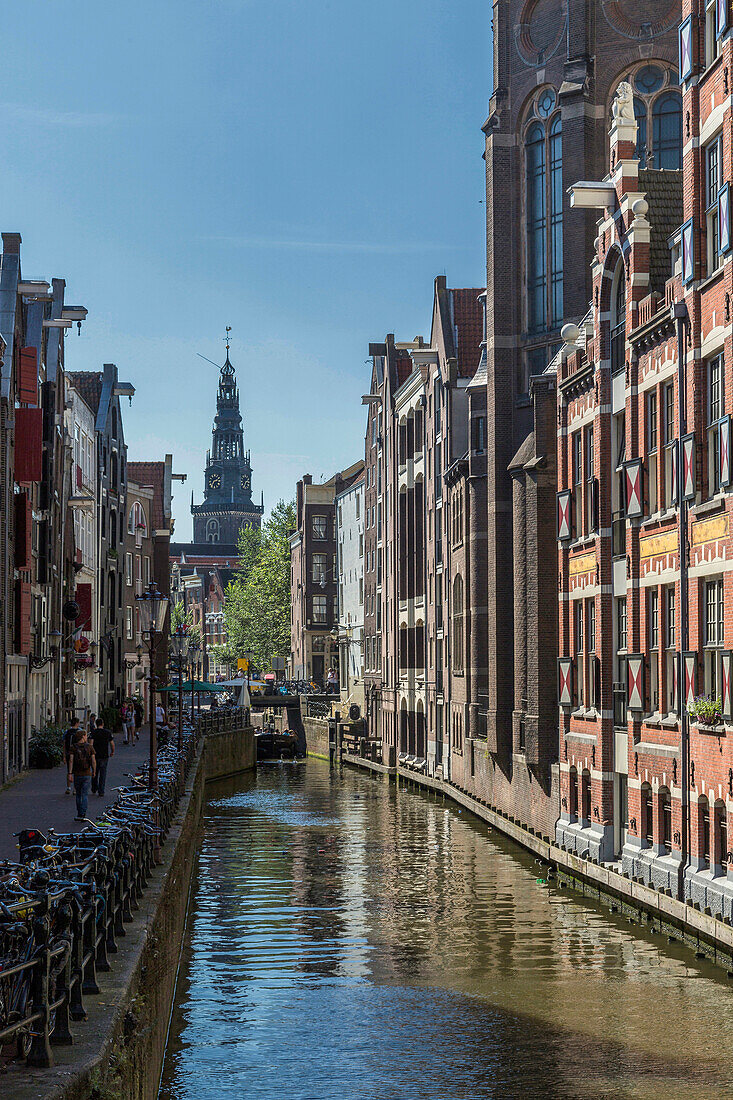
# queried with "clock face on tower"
point(214, 481)
point(245, 481)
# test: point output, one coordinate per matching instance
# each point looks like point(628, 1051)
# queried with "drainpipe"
point(682, 318)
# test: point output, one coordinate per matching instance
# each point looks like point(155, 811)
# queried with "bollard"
point(61, 1035)
point(89, 951)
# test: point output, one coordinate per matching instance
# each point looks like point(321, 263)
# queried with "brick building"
point(644, 459)
point(314, 576)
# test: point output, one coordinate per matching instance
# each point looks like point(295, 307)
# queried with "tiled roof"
point(205, 553)
point(468, 324)
point(663, 189)
point(150, 474)
point(89, 385)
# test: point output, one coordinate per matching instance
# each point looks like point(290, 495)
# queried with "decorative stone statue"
point(623, 103)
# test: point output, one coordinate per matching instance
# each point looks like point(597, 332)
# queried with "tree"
point(257, 607)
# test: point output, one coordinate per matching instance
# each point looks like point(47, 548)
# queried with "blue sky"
point(299, 171)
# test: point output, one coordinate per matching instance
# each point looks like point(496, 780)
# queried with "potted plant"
point(705, 711)
point(45, 749)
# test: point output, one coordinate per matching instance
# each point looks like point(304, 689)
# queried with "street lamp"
point(152, 607)
point(194, 646)
point(180, 643)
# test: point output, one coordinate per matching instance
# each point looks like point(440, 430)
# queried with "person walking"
point(69, 736)
point(139, 715)
point(103, 741)
point(332, 682)
point(82, 770)
point(124, 718)
point(159, 715)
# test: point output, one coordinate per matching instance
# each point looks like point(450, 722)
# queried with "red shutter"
point(28, 376)
point(23, 617)
point(83, 596)
point(28, 445)
point(23, 531)
point(79, 481)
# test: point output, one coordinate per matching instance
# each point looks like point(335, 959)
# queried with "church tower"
point(227, 506)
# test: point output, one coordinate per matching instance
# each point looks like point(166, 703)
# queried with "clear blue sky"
point(300, 171)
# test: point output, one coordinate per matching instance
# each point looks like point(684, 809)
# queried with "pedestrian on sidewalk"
point(103, 742)
point(139, 715)
point(83, 767)
point(125, 712)
point(69, 736)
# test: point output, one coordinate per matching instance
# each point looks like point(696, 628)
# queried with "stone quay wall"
point(118, 1053)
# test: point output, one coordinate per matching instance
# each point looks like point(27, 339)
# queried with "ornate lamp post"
point(152, 607)
point(180, 643)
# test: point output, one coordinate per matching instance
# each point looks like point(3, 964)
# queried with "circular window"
point(546, 103)
point(649, 79)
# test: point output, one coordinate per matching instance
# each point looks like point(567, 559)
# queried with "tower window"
point(212, 530)
point(544, 234)
point(658, 113)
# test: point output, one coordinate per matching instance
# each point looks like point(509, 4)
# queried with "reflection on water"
point(348, 941)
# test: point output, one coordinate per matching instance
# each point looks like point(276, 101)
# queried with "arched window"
point(458, 624)
point(704, 831)
point(573, 808)
point(618, 318)
point(665, 818)
point(667, 131)
point(543, 213)
point(585, 795)
point(647, 813)
point(721, 836)
point(113, 473)
point(212, 530)
point(137, 523)
point(114, 423)
point(658, 113)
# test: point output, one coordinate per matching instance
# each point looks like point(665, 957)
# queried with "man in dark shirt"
point(104, 747)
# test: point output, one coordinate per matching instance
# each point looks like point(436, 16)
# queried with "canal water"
point(348, 941)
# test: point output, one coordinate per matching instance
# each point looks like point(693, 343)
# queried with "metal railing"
point(66, 903)
point(317, 708)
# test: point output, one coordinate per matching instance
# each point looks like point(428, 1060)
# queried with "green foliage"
point(707, 711)
point(45, 749)
point(257, 608)
point(111, 718)
point(178, 618)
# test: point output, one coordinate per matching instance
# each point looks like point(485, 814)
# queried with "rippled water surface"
point(348, 941)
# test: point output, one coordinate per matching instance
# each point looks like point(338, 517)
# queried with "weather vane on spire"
point(227, 339)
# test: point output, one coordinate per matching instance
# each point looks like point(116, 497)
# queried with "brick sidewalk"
point(37, 799)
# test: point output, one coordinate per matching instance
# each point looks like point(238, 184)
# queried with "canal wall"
point(316, 736)
point(655, 909)
point(118, 1052)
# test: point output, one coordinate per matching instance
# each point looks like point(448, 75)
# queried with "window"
point(658, 113)
point(544, 230)
point(618, 319)
point(578, 615)
point(128, 623)
point(458, 624)
point(212, 530)
point(318, 568)
point(137, 523)
point(573, 807)
point(319, 609)
point(577, 451)
point(585, 792)
point(128, 570)
point(667, 131)
point(670, 441)
point(713, 180)
point(670, 643)
point(621, 619)
point(721, 835)
point(651, 437)
point(647, 813)
point(590, 503)
point(714, 633)
point(653, 631)
point(665, 818)
point(712, 43)
point(704, 834)
point(715, 410)
point(319, 527)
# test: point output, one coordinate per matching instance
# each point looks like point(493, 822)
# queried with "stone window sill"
point(718, 731)
point(716, 504)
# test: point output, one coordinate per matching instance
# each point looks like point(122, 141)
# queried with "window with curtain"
point(544, 206)
point(618, 319)
point(658, 113)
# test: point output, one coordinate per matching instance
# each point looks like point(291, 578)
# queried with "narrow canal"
point(348, 941)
